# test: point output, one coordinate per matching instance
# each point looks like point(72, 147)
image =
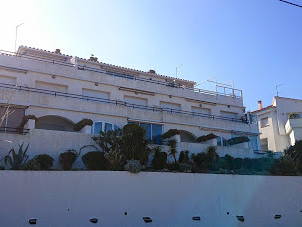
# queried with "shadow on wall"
point(52, 122)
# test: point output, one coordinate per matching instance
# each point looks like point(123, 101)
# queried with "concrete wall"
point(70, 199)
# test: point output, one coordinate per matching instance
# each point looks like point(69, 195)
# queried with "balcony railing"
point(11, 130)
point(226, 91)
point(120, 103)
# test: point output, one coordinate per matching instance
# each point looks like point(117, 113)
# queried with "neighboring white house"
point(280, 124)
point(61, 90)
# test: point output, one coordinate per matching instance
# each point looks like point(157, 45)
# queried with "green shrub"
point(205, 161)
point(66, 159)
point(134, 144)
point(45, 161)
point(205, 138)
point(284, 167)
point(159, 160)
point(32, 164)
point(184, 157)
point(95, 160)
point(16, 160)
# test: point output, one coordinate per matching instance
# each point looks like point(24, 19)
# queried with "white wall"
point(70, 199)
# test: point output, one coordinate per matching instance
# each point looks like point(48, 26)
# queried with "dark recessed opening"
point(228, 213)
point(32, 221)
point(147, 219)
point(240, 218)
point(93, 220)
point(196, 218)
point(125, 213)
point(277, 216)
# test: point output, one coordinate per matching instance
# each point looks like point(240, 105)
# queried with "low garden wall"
point(72, 198)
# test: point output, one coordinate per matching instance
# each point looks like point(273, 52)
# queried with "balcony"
point(121, 103)
point(293, 128)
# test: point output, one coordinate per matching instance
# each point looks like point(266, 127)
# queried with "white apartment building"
point(280, 124)
point(61, 90)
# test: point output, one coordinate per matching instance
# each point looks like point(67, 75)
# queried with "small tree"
point(45, 161)
point(134, 144)
point(160, 159)
point(67, 158)
point(95, 160)
point(110, 143)
point(172, 150)
point(16, 160)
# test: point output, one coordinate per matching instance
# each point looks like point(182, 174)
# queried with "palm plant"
point(172, 151)
point(16, 160)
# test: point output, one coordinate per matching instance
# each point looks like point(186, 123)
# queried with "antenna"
point(17, 35)
point(176, 70)
point(277, 86)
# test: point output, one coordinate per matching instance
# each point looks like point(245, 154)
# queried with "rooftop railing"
point(220, 90)
point(120, 103)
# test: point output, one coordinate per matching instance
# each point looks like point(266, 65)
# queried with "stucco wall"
point(70, 199)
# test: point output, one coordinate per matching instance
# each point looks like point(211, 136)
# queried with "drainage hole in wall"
point(147, 219)
point(32, 221)
point(240, 218)
point(277, 216)
point(93, 220)
point(196, 218)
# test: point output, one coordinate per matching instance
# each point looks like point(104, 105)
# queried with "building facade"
point(280, 124)
point(53, 91)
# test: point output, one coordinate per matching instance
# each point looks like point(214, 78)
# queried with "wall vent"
point(196, 218)
point(277, 216)
point(147, 219)
point(32, 221)
point(93, 220)
point(240, 218)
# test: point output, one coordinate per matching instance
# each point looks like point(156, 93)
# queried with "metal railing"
point(21, 131)
point(120, 103)
point(235, 93)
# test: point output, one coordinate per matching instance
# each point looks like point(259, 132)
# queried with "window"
point(264, 144)
point(51, 86)
point(8, 80)
point(169, 105)
point(253, 143)
point(14, 119)
point(264, 122)
point(97, 128)
point(136, 100)
point(153, 131)
point(197, 109)
point(147, 128)
point(221, 141)
point(108, 127)
point(229, 114)
point(95, 93)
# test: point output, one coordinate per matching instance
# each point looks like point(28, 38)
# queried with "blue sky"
point(253, 44)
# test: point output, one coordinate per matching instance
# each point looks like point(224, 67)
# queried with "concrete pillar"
point(31, 124)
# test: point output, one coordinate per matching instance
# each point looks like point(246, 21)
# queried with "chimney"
point(260, 106)
point(152, 71)
point(93, 58)
point(58, 51)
